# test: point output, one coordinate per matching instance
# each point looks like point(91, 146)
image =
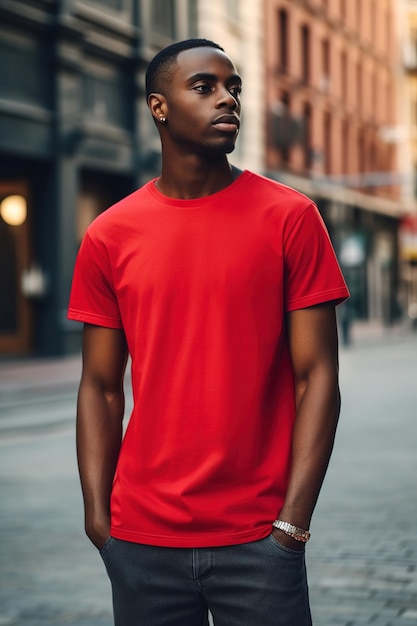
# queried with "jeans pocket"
point(106, 545)
point(284, 549)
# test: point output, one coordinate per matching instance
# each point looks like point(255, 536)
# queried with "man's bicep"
point(312, 334)
point(104, 355)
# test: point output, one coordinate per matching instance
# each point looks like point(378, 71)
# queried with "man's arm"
point(100, 411)
point(312, 334)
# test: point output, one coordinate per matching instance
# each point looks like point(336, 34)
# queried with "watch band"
point(293, 531)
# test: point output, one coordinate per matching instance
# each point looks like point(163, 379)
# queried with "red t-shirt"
point(201, 288)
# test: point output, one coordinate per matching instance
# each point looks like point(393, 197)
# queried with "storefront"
point(408, 258)
point(69, 148)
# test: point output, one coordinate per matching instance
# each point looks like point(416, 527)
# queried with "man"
point(222, 286)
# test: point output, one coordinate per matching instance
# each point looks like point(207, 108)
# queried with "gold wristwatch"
point(293, 531)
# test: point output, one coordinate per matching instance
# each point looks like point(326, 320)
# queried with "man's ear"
point(158, 106)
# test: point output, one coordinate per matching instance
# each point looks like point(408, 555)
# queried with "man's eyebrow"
point(212, 77)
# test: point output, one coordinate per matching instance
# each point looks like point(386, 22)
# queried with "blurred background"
point(329, 107)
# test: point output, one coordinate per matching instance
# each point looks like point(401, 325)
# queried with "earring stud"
point(162, 120)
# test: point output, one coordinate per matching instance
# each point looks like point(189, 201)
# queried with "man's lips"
point(227, 123)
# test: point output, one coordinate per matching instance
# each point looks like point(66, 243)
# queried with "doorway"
point(97, 192)
point(15, 308)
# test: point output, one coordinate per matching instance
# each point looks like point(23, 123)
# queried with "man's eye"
point(202, 88)
point(236, 91)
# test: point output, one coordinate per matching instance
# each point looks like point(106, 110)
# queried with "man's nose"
point(227, 99)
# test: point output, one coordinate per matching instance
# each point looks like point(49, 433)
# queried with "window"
point(327, 143)
point(308, 152)
point(388, 102)
point(345, 148)
point(388, 31)
point(116, 5)
point(113, 5)
point(283, 40)
point(374, 94)
point(343, 10)
point(305, 53)
point(358, 15)
point(343, 77)
point(373, 23)
point(359, 87)
point(361, 152)
point(163, 17)
point(283, 132)
point(106, 95)
point(26, 69)
point(373, 159)
point(325, 64)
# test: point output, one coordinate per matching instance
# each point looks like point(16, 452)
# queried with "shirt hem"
point(336, 295)
point(194, 541)
point(92, 318)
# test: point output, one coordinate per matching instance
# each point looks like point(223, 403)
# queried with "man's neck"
point(195, 178)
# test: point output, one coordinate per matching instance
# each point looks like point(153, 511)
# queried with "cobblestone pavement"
point(362, 558)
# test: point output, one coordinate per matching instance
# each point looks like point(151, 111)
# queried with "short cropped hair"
point(159, 71)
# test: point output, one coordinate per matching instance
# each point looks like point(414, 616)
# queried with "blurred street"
point(362, 557)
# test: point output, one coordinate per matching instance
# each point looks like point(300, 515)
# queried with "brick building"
point(331, 84)
point(318, 105)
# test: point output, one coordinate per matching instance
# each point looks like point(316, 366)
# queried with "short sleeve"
point(312, 272)
point(92, 298)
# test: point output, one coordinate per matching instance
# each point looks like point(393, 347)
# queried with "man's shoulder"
point(277, 188)
point(120, 213)
point(277, 192)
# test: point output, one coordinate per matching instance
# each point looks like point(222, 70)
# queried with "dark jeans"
point(255, 584)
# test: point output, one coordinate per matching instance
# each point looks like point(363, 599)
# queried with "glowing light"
point(13, 210)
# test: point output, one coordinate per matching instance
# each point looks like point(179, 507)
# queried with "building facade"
point(331, 80)
point(76, 135)
point(238, 26)
point(319, 107)
point(73, 140)
point(407, 139)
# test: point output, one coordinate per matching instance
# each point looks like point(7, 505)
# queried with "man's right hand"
point(98, 532)
point(100, 410)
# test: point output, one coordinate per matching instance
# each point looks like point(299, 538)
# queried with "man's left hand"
point(287, 541)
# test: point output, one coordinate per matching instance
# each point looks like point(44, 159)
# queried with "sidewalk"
point(31, 374)
point(368, 333)
point(362, 556)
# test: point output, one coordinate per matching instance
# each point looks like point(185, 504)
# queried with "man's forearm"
point(99, 435)
point(318, 408)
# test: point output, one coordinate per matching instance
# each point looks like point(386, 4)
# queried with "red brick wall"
point(351, 86)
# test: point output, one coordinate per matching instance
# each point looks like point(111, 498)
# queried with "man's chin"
point(220, 149)
point(230, 148)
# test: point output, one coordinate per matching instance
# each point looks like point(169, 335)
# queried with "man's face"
point(203, 102)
